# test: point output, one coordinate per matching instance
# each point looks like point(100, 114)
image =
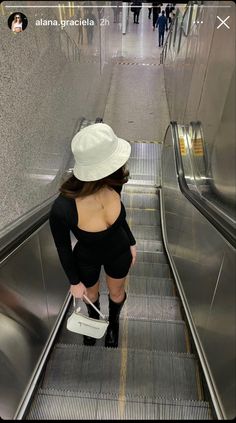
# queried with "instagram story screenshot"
point(117, 210)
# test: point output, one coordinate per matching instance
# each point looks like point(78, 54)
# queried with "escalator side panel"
point(205, 263)
point(30, 301)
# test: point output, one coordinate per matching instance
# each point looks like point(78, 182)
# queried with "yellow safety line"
point(199, 384)
point(188, 345)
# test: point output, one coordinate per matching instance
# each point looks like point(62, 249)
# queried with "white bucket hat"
point(98, 152)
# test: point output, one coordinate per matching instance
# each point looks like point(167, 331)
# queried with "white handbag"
point(85, 325)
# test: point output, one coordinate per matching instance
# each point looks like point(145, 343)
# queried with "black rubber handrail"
point(16, 236)
point(223, 226)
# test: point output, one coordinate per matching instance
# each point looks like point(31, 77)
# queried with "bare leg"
point(93, 292)
point(93, 295)
point(116, 288)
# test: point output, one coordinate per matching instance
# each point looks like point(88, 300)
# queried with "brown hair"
point(74, 188)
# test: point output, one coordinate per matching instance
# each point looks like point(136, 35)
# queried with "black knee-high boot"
point(112, 334)
point(88, 340)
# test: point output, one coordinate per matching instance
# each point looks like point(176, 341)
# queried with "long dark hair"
point(74, 188)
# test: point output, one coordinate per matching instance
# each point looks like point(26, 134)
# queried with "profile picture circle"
point(17, 22)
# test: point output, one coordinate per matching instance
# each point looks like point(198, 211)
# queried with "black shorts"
point(117, 268)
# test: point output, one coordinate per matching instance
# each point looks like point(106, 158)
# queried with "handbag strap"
point(90, 302)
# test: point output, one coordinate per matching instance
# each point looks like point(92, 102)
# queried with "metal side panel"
point(156, 335)
point(23, 323)
point(74, 368)
point(52, 404)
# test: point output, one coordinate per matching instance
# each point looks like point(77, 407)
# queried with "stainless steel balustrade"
point(204, 265)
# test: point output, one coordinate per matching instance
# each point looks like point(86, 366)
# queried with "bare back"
point(98, 211)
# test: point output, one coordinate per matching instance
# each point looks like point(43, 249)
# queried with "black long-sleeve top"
point(64, 218)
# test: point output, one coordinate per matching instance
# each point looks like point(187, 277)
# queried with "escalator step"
point(142, 307)
point(149, 246)
point(155, 335)
point(137, 372)
point(148, 151)
point(135, 187)
point(50, 404)
point(143, 217)
point(146, 232)
point(140, 285)
point(141, 201)
point(153, 257)
point(153, 270)
point(142, 169)
point(147, 269)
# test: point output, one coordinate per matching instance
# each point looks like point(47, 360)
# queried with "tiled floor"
point(137, 107)
point(140, 41)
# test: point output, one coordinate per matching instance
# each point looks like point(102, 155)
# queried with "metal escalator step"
point(149, 245)
point(146, 232)
point(137, 372)
point(145, 183)
point(139, 285)
point(144, 169)
point(145, 178)
point(142, 307)
point(134, 186)
point(147, 269)
point(142, 201)
point(152, 257)
point(140, 334)
point(53, 404)
point(137, 216)
point(158, 270)
point(145, 151)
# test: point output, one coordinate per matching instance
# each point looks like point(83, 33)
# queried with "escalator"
point(175, 353)
point(154, 373)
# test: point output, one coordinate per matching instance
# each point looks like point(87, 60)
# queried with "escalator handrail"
point(224, 227)
point(15, 236)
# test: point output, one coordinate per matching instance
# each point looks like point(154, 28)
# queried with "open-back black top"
point(64, 218)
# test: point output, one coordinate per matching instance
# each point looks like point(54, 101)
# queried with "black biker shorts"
point(117, 268)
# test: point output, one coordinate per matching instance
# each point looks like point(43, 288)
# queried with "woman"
point(90, 206)
point(16, 25)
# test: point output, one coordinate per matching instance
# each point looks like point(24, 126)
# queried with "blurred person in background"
point(162, 26)
point(136, 6)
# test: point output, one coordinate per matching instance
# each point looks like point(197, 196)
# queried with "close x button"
point(223, 22)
